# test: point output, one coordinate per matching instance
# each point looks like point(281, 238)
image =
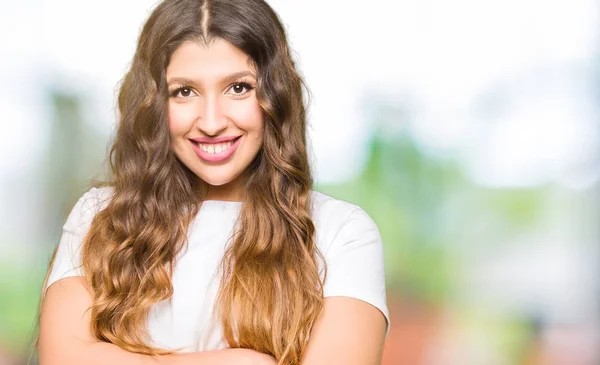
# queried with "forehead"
point(207, 62)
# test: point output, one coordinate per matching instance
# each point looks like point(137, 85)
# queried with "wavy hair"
point(271, 291)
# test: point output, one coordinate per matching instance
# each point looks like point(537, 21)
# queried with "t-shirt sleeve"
point(355, 266)
point(67, 261)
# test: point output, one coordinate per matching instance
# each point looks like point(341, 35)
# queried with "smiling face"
point(216, 124)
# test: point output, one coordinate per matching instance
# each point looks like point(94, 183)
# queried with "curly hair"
point(271, 291)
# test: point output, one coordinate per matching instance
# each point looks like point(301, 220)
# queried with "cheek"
point(249, 116)
point(181, 118)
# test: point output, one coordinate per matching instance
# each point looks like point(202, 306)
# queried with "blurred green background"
point(467, 130)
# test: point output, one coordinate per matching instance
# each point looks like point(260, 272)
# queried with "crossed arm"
point(349, 332)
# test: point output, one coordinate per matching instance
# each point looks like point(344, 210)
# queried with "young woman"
point(208, 244)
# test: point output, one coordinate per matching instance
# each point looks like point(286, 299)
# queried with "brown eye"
point(240, 89)
point(182, 92)
point(185, 92)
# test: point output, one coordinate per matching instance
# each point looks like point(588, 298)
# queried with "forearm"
point(102, 353)
point(112, 354)
point(65, 337)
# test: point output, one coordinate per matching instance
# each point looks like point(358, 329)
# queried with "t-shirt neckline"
point(221, 204)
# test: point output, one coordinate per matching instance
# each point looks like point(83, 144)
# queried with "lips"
point(208, 140)
point(215, 152)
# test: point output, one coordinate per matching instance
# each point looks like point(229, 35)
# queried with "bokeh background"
point(468, 130)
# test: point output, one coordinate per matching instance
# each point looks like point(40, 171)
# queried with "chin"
point(217, 180)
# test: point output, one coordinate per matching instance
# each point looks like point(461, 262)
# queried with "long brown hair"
point(271, 290)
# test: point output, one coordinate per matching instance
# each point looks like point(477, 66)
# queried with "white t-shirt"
point(346, 235)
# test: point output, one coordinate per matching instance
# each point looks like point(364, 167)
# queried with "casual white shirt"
point(346, 235)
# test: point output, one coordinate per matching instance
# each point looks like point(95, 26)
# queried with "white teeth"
point(215, 148)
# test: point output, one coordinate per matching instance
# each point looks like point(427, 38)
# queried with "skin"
point(212, 94)
point(349, 331)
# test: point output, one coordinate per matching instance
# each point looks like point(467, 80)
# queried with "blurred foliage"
point(402, 190)
point(432, 218)
point(76, 153)
point(76, 156)
point(19, 305)
point(426, 210)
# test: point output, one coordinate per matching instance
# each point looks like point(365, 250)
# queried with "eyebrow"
point(226, 79)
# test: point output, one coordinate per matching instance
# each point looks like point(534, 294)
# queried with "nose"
point(211, 120)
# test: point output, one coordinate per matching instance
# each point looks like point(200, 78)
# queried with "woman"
point(207, 245)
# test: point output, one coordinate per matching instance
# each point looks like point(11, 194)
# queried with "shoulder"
point(331, 210)
point(67, 258)
point(323, 202)
point(331, 213)
point(86, 207)
point(352, 246)
point(335, 218)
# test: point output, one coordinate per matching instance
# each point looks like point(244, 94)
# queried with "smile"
point(213, 148)
point(215, 152)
